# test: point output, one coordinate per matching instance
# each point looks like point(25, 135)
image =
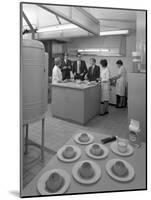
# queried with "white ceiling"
point(110, 19)
point(40, 17)
point(112, 14)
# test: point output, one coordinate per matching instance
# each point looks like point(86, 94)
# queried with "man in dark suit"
point(79, 68)
point(66, 67)
point(93, 71)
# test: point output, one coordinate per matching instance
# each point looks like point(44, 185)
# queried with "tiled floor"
point(58, 131)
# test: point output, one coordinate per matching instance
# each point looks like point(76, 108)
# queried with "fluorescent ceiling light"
point(118, 32)
point(93, 50)
point(57, 28)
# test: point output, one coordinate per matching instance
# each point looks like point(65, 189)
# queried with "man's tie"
point(92, 69)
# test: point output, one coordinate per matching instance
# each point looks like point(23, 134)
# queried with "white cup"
point(122, 145)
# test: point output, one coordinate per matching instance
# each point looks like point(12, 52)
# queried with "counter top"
point(76, 85)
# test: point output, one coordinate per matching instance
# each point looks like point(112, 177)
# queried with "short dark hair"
point(119, 62)
point(94, 60)
point(78, 54)
point(103, 63)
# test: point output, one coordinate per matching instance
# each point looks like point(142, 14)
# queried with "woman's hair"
point(57, 61)
point(103, 63)
point(119, 62)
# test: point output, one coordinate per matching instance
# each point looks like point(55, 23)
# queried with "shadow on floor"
point(14, 193)
point(32, 161)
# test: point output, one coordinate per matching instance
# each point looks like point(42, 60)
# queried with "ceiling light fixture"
point(116, 32)
point(93, 50)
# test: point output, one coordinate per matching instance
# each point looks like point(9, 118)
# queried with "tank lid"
point(33, 43)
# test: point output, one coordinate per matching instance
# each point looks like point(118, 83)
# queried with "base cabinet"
point(137, 100)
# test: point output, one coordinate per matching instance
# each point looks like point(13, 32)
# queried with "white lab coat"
point(121, 82)
point(105, 87)
point(56, 74)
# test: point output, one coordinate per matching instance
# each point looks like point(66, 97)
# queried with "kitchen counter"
point(75, 85)
point(75, 102)
point(106, 183)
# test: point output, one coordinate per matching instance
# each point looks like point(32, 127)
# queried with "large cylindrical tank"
point(34, 77)
point(46, 83)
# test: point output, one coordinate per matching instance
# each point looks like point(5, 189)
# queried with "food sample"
point(86, 171)
point(122, 146)
point(119, 169)
point(69, 152)
point(84, 137)
point(54, 182)
point(96, 150)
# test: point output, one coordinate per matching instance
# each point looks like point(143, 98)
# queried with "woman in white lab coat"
point(121, 82)
point(56, 72)
point(105, 87)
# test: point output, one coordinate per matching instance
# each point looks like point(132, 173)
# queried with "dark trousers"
point(117, 100)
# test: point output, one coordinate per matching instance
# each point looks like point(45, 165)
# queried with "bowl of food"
point(54, 183)
point(69, 152)
point(84, 137)
point(119, 169)
point(86, 170)
point(96, 150)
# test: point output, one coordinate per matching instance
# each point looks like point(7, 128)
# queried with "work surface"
point(75, 85)
point(137, 160)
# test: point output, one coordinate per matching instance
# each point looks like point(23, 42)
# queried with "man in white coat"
point(56, 72)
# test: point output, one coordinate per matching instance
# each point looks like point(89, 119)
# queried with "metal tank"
point(46, 84)
point(34, 80)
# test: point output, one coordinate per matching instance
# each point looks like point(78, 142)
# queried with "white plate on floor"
point(41, 184)
point(76, 138)
point(62, 158)
point(115, 150)
point(103, 147)
point(94, 179)
point(129, 177)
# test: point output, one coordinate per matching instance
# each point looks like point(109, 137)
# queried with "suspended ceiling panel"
point(116, 25)
point(112, 14)
point(46, 18)
point(114, 19)
point(31, 12)
point(40, 17)
point(75, 15)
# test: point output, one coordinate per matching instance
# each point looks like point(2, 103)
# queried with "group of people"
point(66, 69)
